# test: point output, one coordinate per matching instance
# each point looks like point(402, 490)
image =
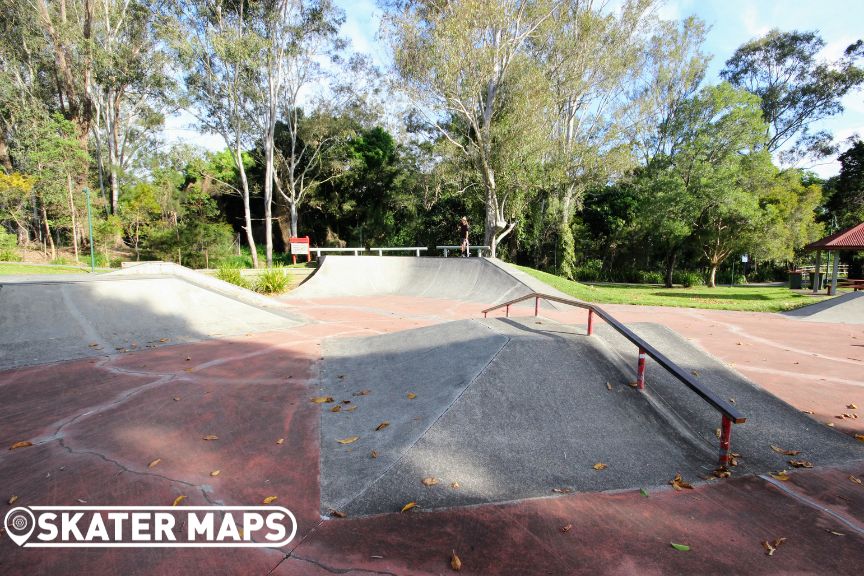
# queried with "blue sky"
point(731, 22)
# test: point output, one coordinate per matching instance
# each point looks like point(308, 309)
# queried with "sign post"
point(299, 247)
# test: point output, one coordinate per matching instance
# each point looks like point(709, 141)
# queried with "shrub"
point(232, 275)
point(60, 260)
point(8, 245)
point(688, 278)
point(650, 277)
point(272, 281)
point(588, 271)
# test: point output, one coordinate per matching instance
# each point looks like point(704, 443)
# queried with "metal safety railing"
point(479, 249)
point(730, 415)
point(380, 251)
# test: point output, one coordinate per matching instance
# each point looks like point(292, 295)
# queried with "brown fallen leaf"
point(338, 514)
point(178, 500)
point(695, 373)
point(346, 401)
point(270, 499)
point(717, 432)
point(322, 399)
point(215, 472)
point(455, 562)
point(348, 440)
point(785, 452)
point(411, 395)
point(430, 481)
point(565, 529)
point(562, 490)
point(851, 406)
point(722, 472)
point(782, 475)
point(830, 424)
point(633, 384)
point(599, 466)
point(23, 444)
point(801, 463)
point(373, 454)
point(362, 393)
point(211, 437)
point(12, 500)
point(856, 480)
point(280, 441)
point(859, 437)
point(679, 484)
point(336, 408)
point(176, 398)
point(808, 412)
point(163, 339)
point(409, 506)
point(454, 485)
point(771, 547)
point(840, 417)
point(154, 463)
point(608, 386)
point(381, 426)
point(188, 358)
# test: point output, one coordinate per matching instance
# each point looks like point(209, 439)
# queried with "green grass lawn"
point(12, 268)
point(747, 298)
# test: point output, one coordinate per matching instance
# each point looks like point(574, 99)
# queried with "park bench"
point(854, 283)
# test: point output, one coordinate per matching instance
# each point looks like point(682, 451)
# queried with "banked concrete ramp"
point(503, 409)
point(843, 309)
point(486, 280)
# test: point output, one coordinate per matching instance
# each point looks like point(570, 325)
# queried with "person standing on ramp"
point(463, 234)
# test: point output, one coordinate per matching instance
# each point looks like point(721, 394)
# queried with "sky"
point(731, 23)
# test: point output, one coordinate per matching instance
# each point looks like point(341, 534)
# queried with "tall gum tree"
point(454, 60)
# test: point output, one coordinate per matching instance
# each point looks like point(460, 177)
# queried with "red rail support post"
point(640, 371)
point(590, 321)
point(725, 436)
point(537, 306)
point(507, 311)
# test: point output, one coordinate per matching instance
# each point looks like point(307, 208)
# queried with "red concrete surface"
point(96, 424)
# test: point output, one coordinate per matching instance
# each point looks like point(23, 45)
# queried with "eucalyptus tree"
point(220, 47)
point(455, 61)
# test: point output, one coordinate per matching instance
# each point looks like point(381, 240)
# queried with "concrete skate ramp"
point(86, 316)
point(844, 309)
point(485, 280)
point(510, 409)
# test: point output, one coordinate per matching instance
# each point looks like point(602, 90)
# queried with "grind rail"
point(730, 415)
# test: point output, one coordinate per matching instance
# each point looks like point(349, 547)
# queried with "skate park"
point(524, 443)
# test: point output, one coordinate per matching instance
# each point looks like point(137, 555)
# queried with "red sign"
point(299, 247)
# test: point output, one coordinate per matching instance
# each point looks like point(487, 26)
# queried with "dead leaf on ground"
point(633, 384)
point(322, 399)
point(17, 445)
point(722, 472)
point(859, 437)
point(718, 432)
point(782, 475)
point(454, 485)
point(411, 395)
point(599, 466)
point(409, 506)
point(856, 480)
point(771, 547)
point(188, 359)
point(430, 481)
point(215, 472)
point(362, 393)
point(562, 490)
point(800, 463)
point(785, 452)
point(336, 408)
point(280, 441)
point(695, 373)
point(373, 454)
point(176, 398)
point(270, 499)
point(348, 440)
point(382, 425)
point(608, 386)
point(211, 437)
point(178, 500)
point(12, 500)
point(340, 376)
point(851, 406)
point(565, 529)
point(154, 463)
point(808, 412)
point(679, 484)
point(455, 562)
point(338, 514)
point(835, 533)
point(163, 339)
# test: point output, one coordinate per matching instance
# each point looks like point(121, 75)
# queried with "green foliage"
point(232, 275)
point(60, 260)
point(8, 245)
point(688, 278)
point(272, 281)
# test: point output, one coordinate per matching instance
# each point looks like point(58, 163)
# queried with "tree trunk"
point(50, 239)
point(294, 220)
point(268, 197)
point(72, 212)
point(712, 276)
point(5, 160)
point(671, 259)
point(247, 213)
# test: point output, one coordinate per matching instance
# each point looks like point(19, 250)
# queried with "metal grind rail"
point(728, 412)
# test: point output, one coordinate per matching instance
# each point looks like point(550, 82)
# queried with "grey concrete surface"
point(85, 316)
point(484, 280)
point(844, 309)
point(435, 363)
point(540, 415)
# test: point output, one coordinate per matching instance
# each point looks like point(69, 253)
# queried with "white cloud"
point(751, 20)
